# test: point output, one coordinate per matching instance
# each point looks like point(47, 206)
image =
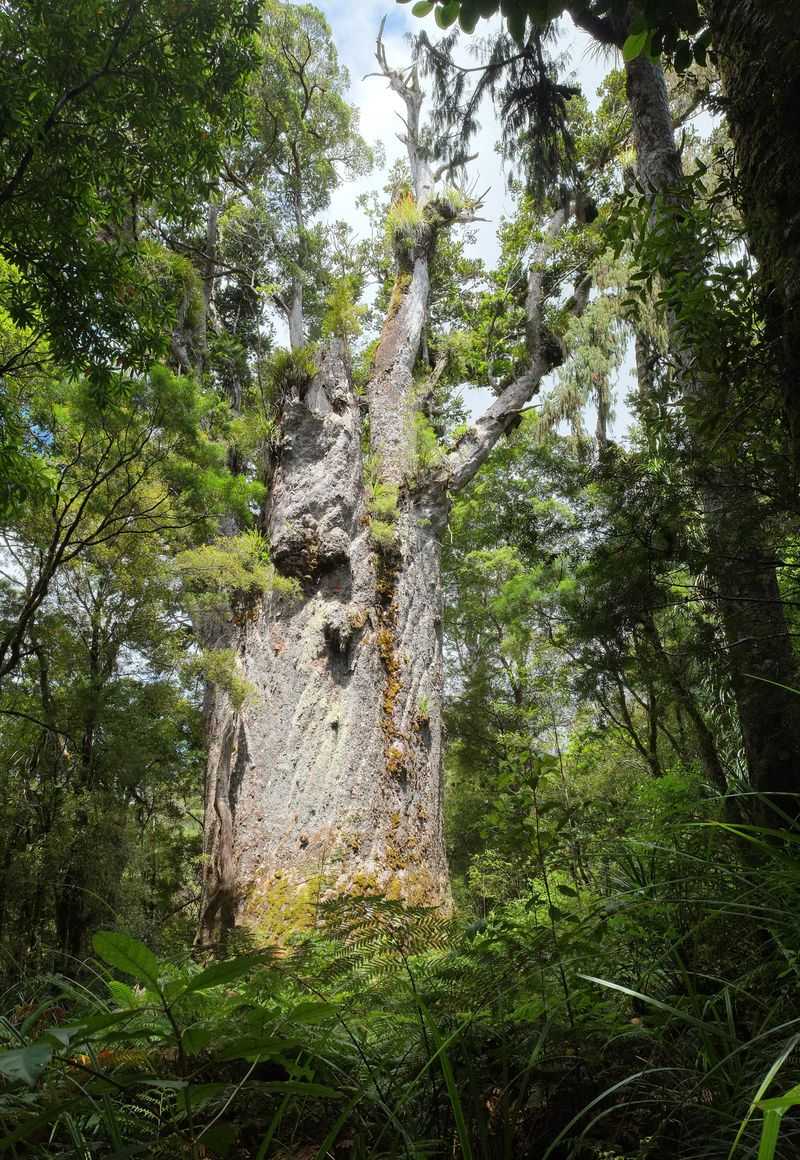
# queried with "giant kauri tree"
point(329, 777)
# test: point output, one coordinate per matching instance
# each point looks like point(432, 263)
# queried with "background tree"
point(309, 135)
point(104, 99)
point(741, 556)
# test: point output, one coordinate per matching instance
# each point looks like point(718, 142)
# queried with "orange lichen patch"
point(394, 741)
point(395, 860)
point(393, 890)
point(357, 618)
point(364, 882)
point(414, 885)
point(420, 888)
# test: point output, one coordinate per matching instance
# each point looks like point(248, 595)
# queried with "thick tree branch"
point(546, 351)
point(406, 84)
point(449, 166)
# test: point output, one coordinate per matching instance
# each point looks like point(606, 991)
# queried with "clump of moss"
point(384, 535)
point(388, 654)
point(278, 907)
point(382, 510)
point(393, 739)
point(399, 289)
point(365, 882)
point(394, 858)
point(357, 618)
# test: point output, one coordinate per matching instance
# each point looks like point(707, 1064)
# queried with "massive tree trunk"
point(758, 54)
point(329, 780)
point(741, 565)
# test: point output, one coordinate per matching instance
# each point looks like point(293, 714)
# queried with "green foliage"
point(428, 451)
point(220, 667)
point(389, 1027)
point(230, 574)
point(673, 26)
point(290, 371)
point(304, 140)
point(382, 501)
point(405, 222)
point(620, 977)
point(383, 534)
point(343, 317)
point(104, 98)
point(382, 508)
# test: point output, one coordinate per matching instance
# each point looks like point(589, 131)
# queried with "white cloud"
point(355, 28)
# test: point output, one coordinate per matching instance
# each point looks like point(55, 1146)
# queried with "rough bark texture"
point(331, 778)
point(741, 566)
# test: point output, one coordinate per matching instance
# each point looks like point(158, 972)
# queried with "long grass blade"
point(762, 1087)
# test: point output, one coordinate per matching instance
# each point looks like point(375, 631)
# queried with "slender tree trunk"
point(295, 316)
point(758, 55)
point(295, 305)
point(741, 567)
point(208, 274)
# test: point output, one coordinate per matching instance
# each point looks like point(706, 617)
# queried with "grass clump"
point(387, 1030)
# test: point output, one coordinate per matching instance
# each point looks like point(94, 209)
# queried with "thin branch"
point(35, 721)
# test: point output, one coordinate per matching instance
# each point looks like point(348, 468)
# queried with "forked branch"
point(546, 352)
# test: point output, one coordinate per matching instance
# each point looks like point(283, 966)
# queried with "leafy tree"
point(308, 140)
point(104, 100)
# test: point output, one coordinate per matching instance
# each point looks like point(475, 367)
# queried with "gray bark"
point(331, 778)
point(744, 586)
point(294, 317)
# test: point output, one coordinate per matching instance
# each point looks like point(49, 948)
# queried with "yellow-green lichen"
point(277, 906)
point(399, 291)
